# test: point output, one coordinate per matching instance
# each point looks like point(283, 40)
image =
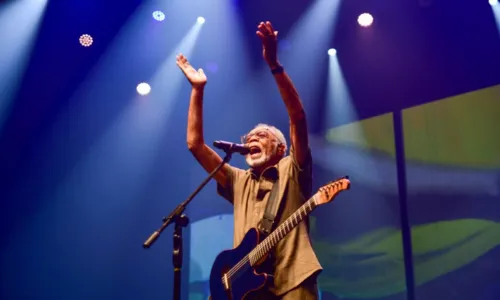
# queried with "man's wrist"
point(198, 88)
point(274, 65)
point(277, 70)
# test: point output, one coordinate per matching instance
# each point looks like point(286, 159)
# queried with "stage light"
point(493, 2)
point(86, 40)
point(332, 52)
point(158, 15)
point(201, 20)
point(365, 19)
point(143, 89)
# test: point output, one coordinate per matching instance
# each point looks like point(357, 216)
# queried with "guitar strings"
point(246, 259)
point(260, 247)
point(242, 262)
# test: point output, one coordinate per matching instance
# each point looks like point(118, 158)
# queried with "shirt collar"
point(269, 173)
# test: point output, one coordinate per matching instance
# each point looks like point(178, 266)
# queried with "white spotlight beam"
point(309, 39)
point(166, 81)
point(340, 110)
point(19, 22)
point(127, 150)
point(495, 6)
point(224, 65)
point(105, 82)
point(152, 115)
point(130, 142)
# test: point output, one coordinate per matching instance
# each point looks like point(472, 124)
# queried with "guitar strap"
point(267, 221)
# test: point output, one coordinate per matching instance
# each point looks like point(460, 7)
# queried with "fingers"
point(180, 57)
point(178, 60)
point(200, 71)
point(182, 61)
point(179, 63)
point(270, 27)
point(261, 36)
point(264, 29)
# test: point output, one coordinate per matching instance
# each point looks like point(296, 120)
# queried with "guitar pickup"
point(225, 281)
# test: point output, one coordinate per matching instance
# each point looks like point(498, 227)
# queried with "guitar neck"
point(277, 235)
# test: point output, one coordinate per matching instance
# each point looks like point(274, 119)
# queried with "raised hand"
point(196, 78)
point(269, 39)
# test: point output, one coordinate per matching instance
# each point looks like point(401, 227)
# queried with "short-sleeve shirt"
point(294, 258)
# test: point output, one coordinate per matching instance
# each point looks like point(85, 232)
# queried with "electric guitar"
point(233, 274)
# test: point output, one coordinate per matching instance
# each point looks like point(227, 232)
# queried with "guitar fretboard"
point(277, 235)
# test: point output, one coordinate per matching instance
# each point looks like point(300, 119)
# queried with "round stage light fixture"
point(143, 88)
point(158, 15)
point(86, 40)
point(365, 19)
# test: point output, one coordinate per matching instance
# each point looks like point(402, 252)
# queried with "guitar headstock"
point(327, 192)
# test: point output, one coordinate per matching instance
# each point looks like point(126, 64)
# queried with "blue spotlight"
point(200, 20)
point(158, 15)
point(332, 52)
point(493, 2)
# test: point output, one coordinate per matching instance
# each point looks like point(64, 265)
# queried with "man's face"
point(263, 146)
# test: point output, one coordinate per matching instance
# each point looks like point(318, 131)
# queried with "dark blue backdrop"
point(78, 197)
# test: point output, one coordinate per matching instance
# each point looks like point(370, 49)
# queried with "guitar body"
point(233, 277)
point(246, 281)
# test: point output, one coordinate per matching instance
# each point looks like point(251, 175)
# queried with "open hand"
point(196, 78)
point(269, 38)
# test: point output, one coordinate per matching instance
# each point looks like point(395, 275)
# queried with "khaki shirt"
point(294, 258)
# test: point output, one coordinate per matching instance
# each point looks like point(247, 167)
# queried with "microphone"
point(232, 147)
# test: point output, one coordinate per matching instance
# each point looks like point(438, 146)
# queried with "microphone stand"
point(181, 220)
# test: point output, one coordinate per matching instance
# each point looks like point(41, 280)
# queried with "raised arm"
point(288, 92)
point(208, 158)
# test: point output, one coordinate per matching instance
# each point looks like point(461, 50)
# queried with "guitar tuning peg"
point(343, 177)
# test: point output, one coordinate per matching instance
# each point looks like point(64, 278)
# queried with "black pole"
point(403, 203)
point(181, 220)
point(179, 210)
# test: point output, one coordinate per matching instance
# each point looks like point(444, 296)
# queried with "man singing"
point(293, 261)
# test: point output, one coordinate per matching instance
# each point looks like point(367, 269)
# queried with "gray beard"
point(262, 160)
